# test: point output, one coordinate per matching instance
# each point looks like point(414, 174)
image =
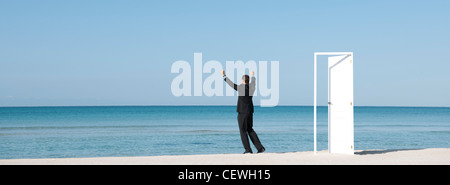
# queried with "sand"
point(430, 156)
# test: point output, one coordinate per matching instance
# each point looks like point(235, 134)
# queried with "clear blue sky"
point(120, 52)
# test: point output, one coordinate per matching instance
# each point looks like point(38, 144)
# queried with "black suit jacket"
point(245, 92)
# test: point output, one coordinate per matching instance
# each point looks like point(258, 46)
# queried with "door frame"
point(315, 89)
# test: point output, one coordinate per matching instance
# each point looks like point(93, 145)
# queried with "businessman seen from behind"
point(245, 111)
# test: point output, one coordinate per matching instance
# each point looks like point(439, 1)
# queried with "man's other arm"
point(252, 84)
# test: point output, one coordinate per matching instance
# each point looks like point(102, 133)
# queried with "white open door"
point(340, 104)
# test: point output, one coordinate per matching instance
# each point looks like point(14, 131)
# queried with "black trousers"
point(245, 121)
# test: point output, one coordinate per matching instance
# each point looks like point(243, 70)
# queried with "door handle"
point(329, 103)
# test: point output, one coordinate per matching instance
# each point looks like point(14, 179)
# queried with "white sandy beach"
point(432, 156)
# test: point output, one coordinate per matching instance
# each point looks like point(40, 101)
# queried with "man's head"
point(245, 79)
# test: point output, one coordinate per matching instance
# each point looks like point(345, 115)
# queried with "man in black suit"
point(245, 111)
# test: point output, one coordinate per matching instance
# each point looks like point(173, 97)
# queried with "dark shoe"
point(248, 152)
point(262, 150)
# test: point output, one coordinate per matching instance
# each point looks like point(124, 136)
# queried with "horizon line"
point(25, 106)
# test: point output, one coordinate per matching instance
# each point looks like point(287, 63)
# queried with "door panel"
point(340, 106)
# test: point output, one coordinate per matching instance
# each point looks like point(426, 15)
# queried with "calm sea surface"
point(100, 131)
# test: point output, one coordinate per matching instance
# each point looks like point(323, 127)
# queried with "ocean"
point(107, 131)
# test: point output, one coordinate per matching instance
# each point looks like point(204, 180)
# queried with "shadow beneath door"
point(372, 152)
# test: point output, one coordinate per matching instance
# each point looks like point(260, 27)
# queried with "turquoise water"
point(55, 132)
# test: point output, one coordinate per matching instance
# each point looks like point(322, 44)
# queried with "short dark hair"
point(246, 78)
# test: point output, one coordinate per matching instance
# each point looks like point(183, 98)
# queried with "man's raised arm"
point(229, 82)
point(252, 84)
